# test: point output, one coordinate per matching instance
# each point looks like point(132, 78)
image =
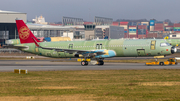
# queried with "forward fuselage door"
point(153, 45)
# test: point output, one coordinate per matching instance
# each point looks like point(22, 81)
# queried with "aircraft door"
point(36, 49)
point(141, 52)
point(98, 46)
point(70, 46)
point(153, 44)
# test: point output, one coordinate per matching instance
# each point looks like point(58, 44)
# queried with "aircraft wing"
point(63, 50)
point(83, 52)
point(74, 51)
point(16, 47)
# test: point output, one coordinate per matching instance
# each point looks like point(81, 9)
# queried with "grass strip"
point(151, 85)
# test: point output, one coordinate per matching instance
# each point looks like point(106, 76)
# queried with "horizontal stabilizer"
point(16, 47)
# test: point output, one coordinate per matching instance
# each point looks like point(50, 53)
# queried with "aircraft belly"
point(130, 51)
point(134, 48)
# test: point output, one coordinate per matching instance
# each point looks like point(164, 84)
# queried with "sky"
point(54, 10)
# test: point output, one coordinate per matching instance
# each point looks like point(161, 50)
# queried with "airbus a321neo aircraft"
point(95, 50)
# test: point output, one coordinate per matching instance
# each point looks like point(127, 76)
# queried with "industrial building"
point(77, 29)
point(100, 32)
point(8, 26)
point(71, 27)
point(40, 30)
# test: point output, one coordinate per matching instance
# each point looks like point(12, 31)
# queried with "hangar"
point(8, 28)
point(8, 25)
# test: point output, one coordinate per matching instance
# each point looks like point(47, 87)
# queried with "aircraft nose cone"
point(173, 50)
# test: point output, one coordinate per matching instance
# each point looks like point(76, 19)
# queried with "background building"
point(40, 20)
point(8, 28)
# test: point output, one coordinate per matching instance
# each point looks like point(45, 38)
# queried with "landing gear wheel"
point(84, 63)
point(101, 62)
point(161, 63)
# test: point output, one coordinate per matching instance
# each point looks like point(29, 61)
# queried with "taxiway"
point(48, 65)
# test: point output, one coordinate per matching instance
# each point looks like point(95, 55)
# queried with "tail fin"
point(25, 34)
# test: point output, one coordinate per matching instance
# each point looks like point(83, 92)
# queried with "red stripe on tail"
point(25, 34)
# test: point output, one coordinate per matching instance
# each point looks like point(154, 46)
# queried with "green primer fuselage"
point(122, 47)
point(173, 42)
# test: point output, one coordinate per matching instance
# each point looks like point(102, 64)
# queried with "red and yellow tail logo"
point(24, 32)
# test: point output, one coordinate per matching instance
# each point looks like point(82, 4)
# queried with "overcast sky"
point(54, 10)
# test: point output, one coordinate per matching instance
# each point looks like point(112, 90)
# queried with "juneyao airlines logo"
point(24, 32)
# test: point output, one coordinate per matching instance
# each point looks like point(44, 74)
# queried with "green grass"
point(101, 85)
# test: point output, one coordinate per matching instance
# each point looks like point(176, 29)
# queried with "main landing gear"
point(84, 63)
point(98, 62)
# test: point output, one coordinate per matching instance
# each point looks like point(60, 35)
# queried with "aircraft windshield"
point(164, 44)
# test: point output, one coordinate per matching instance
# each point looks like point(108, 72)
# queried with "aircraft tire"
point(101, 63)
point(161, 63)
point(86, 63)
point(83, 63)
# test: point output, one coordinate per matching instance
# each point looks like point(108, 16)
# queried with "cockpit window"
point(164, 44)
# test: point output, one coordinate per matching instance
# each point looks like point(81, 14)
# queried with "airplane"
point(94, 49)
point(173, 42)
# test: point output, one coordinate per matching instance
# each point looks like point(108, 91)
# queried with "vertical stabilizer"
point(25, 34)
